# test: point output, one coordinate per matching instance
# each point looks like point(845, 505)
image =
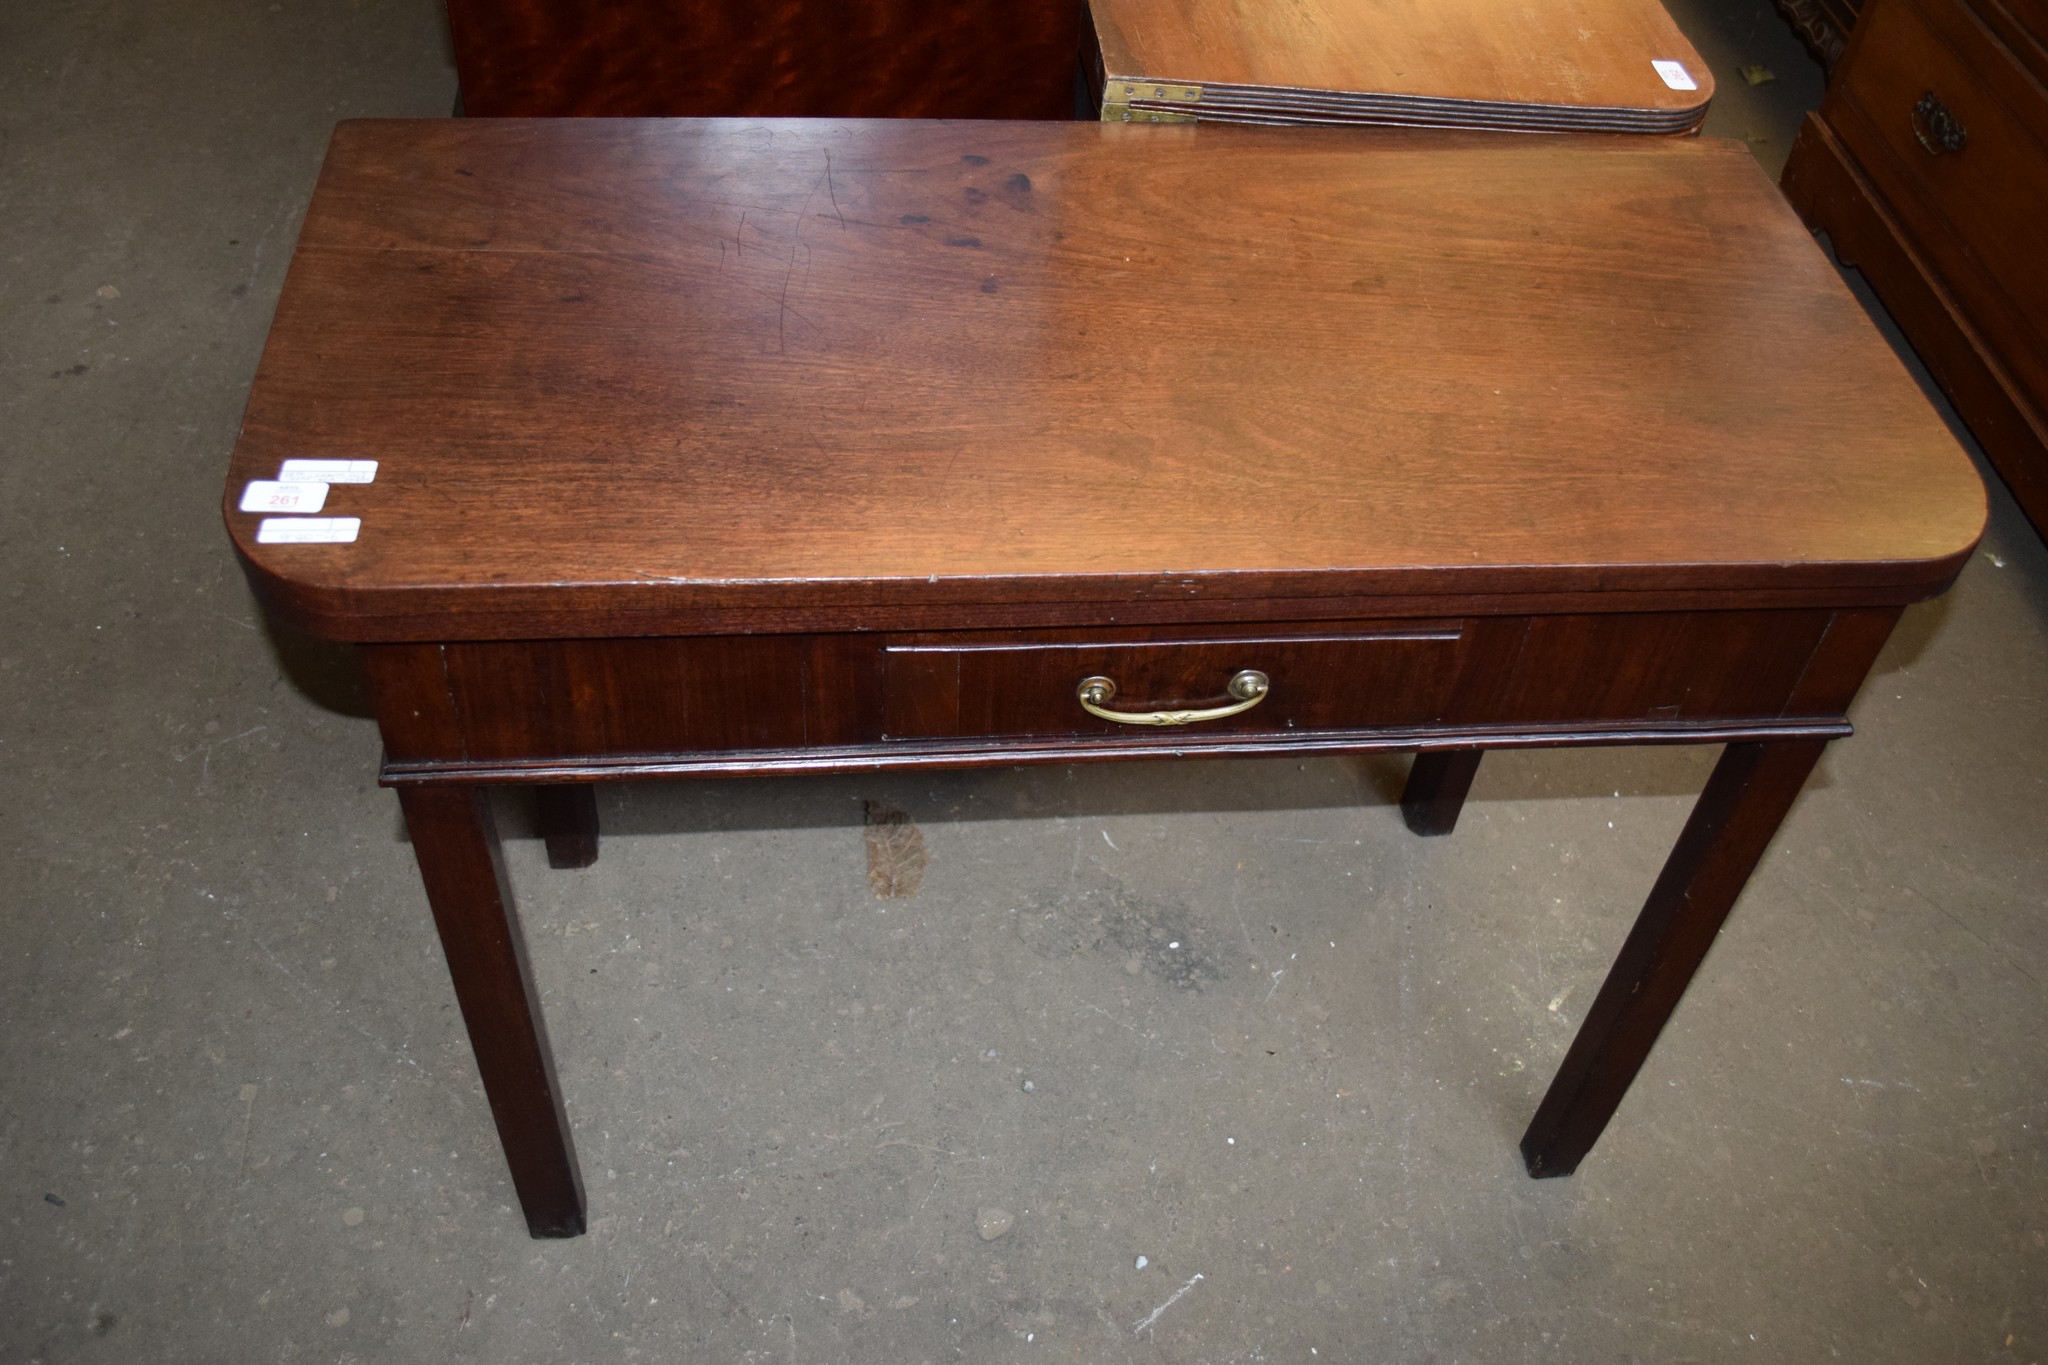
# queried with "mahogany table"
point(725, 447)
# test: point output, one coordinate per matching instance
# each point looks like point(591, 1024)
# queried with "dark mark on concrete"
point(1138, 935)
point(896, 852)
point(53, 1199)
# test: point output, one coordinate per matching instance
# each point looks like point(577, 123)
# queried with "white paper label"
point(265, 495)
point(307, 530)
point(328, 471)
point(1675, 75)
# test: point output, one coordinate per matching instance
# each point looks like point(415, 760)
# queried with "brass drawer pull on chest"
point(1935, 128)
point(1249, 687)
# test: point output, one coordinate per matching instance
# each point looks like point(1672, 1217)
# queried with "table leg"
point(457, 847)
point(1751, 789)
point(568, 822)
point(1436, 789)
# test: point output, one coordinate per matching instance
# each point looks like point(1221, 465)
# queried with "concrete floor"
point(238, 1116)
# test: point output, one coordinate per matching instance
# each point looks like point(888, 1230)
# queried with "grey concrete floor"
point(238, 1116)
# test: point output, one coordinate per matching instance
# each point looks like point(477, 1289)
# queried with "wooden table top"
point(642, 377)
point(1560, 54)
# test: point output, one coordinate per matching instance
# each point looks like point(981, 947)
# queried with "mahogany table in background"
point(767, 58)
point(713, 448)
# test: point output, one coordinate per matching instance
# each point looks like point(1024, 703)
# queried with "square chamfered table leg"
point(1746, 798)
point(568, 823)
point(456, 843)
point(1436, 790)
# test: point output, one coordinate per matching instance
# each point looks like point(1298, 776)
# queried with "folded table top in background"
point(1562, 66)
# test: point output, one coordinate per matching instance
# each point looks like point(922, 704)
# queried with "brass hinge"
point(1117, 96)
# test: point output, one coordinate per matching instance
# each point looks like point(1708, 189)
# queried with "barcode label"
point(1675, 75)
point(308, 530)
point(329, 471)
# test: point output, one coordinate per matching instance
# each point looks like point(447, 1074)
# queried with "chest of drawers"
point(1927, 164)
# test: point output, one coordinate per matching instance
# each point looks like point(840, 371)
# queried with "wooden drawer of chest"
point(1950, 128)
point(1352, 677)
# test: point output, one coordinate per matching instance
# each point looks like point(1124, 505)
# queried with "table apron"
point(604, 709)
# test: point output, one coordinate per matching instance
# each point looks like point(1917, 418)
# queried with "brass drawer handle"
point(1249, 687)
point(1935, 128)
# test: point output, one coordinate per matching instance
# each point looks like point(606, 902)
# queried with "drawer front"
point(1954, 134)
point(594, 698)
point(1352, 678)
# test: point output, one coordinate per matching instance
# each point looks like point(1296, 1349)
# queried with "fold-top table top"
point(646, 377)
point(1530, 65)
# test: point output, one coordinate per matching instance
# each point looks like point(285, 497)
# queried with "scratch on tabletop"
point(782, 315)
point(833, 191)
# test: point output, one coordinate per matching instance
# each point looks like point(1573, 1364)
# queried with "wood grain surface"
point(1562, 54)
point(679, 374)
point(767, 58)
